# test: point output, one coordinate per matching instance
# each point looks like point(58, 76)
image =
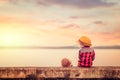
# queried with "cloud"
point(81, 16)
point(76, 3)
point(6, 19)
point(99, 22)
point(69, 3)
point(70, 26)
point(108, 36)
point(73, 17)
point(9, 19)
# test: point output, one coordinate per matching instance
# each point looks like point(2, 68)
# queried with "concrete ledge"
point(58, 72)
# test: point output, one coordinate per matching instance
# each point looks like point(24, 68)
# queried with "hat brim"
point(85, 44)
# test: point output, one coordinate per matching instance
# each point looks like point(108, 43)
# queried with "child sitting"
point(86, 53)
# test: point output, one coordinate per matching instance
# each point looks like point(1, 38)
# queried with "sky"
point(59, 22)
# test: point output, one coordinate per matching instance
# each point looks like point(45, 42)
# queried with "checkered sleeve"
point(79, 56)
point(93, 55)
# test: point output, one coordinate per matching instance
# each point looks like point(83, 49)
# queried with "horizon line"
point(56, 47)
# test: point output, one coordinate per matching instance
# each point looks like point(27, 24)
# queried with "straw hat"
point(85, 41)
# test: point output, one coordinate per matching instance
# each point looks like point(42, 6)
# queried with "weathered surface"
point(58, 72)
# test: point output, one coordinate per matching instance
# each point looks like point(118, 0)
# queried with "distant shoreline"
point(57, 47)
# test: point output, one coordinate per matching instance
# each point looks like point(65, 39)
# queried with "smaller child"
point(66, 62)
point(86, 53)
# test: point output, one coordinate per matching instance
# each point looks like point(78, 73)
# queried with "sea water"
point(52, 57)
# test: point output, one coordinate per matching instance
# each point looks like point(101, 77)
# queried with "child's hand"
point(78, 64)
point(71, 65)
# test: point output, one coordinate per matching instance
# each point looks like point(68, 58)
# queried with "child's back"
point(86, 53)
point(86, 56)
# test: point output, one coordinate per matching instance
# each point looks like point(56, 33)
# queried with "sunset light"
point(10, 39)
point(42, 32)
point(38, 24)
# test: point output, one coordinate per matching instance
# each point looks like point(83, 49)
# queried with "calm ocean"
point(52, 57)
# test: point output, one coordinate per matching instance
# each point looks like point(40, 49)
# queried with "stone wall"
point(59, 72)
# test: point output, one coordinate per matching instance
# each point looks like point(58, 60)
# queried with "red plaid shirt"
point(86, 56)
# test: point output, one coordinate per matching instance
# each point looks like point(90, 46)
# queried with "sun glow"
point(11, 38)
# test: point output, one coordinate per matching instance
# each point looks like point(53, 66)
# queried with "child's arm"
point(93, 55)
point(79, 57)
